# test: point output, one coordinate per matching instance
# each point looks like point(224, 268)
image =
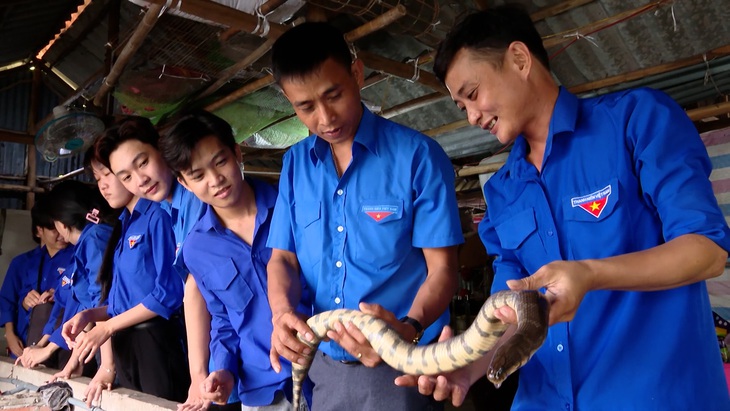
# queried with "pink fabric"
point(727, 374)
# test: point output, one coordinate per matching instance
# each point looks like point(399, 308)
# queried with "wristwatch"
point(417, 325)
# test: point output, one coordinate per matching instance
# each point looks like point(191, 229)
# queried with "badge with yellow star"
point(593, 203)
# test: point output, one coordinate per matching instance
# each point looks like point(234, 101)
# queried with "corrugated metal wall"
point(15, 90)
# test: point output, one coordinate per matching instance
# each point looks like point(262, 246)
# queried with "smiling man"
point(605, 205)
point(226, 253)
point(367, 210)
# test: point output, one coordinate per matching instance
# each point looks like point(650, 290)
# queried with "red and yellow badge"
point(133, 239)
point(593, 203)
point(379, 212)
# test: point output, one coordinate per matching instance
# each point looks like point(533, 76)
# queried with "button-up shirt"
point(621, 173)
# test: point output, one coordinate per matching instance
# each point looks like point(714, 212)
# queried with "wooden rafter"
point(227, 16)
point(135, 41)
point(265, 9)
point(16, 137)
point(552, 11)
point(402, 70)
point(650, 71)
point(569, 35)
point(376, 24)
point(414, 104)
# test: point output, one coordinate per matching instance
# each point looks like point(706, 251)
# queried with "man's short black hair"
point(40, 216)
point(302, 50)
point(490, 33)
point(128, 128)
point(178, 144)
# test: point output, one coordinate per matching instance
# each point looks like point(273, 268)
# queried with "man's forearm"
point(435, 294)
point(284, 288)
point(197, 324)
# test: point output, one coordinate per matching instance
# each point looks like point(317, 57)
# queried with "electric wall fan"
point(68, 133)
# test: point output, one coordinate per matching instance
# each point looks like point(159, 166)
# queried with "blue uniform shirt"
point(81, 291)
point(185, 210)
point(143, 259)
point(64, 307)
point(231, 276)
point(360, 238)
point(621, 173)
point(22, 277)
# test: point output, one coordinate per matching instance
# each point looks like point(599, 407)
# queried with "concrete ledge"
point(119, 399)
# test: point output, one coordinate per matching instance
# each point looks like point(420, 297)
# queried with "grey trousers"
point(339, 386)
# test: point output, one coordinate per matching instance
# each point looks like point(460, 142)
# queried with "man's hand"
point(14, 343)
point(47, 296)
point(284, 341)
point(353, 340)
point(31, 300)
point(566, 283)
point(218, 386)
point(452, 385)
point(195, 400)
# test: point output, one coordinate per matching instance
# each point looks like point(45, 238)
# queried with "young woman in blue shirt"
point(140, 292)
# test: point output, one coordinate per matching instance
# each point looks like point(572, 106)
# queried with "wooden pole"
point(227, 16)
point(31, 151)
point(16, 137)
point(357, 33)
point(446, 128)
point(480, 169)
point(650, 71)
point(709, 111)
point(411, 105)
point(556, 9)
point(228, 73)
point(402, 70)
point(30, 190)
point(265, 9)
point(135, 41)
point(566, 36)
point(247, 89)
point(376, 24)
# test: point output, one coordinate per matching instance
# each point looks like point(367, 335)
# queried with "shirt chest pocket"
point(596, 206)
point(383, 233)
point(228, 285)
point(308, 233)
point(518, 234)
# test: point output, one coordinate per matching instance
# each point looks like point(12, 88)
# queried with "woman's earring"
point(240, 165)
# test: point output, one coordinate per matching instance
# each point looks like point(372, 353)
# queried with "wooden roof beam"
point(359, 32)
point(414, 104)
point(552, 11)
point(650, 71)
point(402, 70)
point(16, 137)
point(135, 41)
point(569, 35)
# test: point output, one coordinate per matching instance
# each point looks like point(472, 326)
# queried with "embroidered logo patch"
point(61, 270)
point(593, 203)
point(379, 212)
point(65, 281)
point(133, 239)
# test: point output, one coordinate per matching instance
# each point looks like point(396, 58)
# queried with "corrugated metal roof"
point(27, 26)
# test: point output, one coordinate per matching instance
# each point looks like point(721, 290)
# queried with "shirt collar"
point(177, 197)
point(141, 207)
point(365, 136)
point(265, 200)
point(563, 119)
